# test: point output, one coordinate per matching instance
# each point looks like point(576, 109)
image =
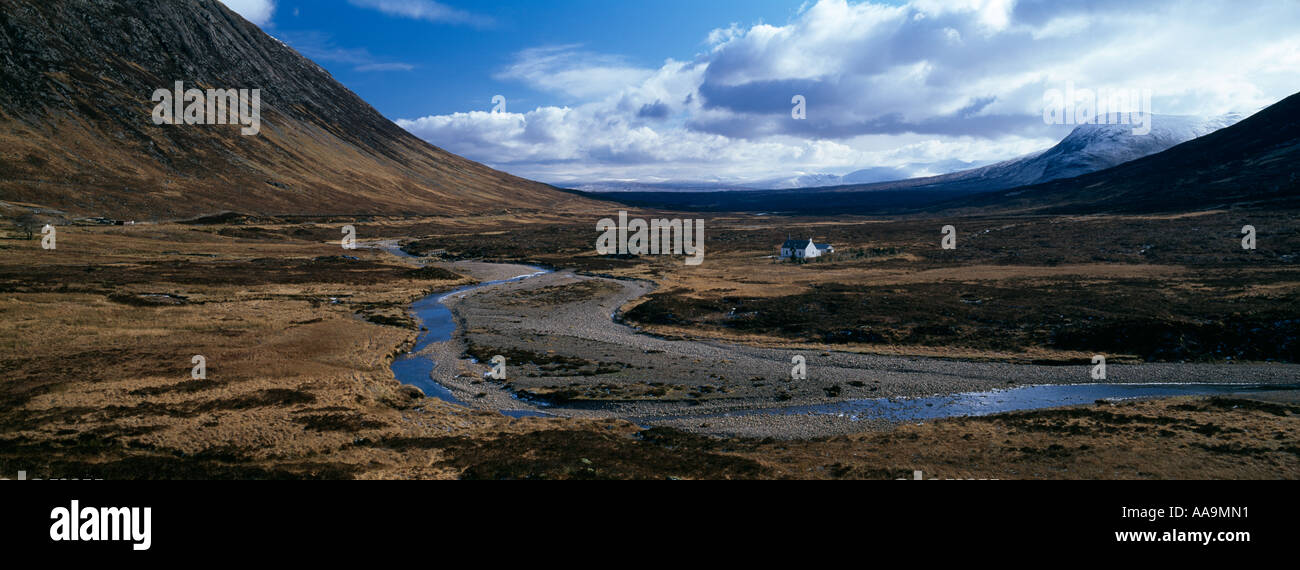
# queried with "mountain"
point(1250, 164)
point(871, 175)
point(1088, 148)
point(615, 186)
point(799, 180)
point(77, 128)
point(875, 174)
point(795, 181)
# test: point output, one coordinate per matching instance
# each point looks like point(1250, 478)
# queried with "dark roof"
point(800, 244)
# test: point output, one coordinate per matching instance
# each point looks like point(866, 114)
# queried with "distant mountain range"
point(1088, 148)
point(913, 170)
point(797, 180)
point(77, 133)
point(868, 175)
point(1090, 152)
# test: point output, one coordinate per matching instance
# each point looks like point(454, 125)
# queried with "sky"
point(703, 90)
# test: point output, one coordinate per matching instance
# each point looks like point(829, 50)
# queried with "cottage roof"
point(803, 244)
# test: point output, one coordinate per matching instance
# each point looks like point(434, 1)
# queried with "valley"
point(1091, 301)
point(298, 335)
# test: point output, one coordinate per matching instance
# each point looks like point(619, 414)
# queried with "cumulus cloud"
point(256, 11)
point(885, 85)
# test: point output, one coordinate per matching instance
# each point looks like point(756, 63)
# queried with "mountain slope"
point(1094, 147)
point(1255, 162)
point(77, 132)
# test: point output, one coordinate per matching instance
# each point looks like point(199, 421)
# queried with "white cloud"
point(428, 10)
point(568, 70)
point(885, 85)
point(256, 11)
point(724, 35)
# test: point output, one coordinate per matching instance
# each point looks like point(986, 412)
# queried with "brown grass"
point(96, 382)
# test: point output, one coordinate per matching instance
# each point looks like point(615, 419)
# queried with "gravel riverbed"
point(572, 358)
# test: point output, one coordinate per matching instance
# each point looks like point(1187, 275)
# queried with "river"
point(438, 324)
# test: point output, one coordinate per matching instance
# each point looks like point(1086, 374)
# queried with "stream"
point(1004, 400)
point(438, 325)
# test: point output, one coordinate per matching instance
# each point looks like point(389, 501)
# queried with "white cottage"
point(797, 249)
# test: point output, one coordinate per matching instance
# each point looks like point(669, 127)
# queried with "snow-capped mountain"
point(792, 182)
point(1088, 148)
point(865, 175)
point(913, 170)
point(798, 181)
point(1250, 163)
point(877, 174)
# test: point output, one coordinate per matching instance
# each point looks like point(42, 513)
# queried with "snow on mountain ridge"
point(1088, 148)
point(1098, 146)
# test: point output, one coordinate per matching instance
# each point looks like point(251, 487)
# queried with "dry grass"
point(1042, 288)
point(279, 348)
point(1181, 438)
point(1019, 288)
point(96, 381)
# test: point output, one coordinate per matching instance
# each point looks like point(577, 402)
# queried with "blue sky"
point(700, 90)
point(409, 67)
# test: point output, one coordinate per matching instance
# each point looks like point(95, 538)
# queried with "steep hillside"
point(77, 132)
